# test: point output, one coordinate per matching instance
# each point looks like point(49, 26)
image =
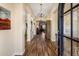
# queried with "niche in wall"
point(5, 23)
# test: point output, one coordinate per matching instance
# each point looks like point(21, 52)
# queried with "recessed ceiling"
point(46, 7)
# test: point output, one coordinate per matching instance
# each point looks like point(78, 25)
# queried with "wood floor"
point(40, 47)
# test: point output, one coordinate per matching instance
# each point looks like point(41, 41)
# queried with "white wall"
point(54, 25)
point(12, 41)
point(19, 28)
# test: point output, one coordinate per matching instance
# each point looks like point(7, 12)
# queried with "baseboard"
point(18, 53)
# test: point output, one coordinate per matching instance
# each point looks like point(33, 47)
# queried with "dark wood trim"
point(71, 8)
point(68, 37)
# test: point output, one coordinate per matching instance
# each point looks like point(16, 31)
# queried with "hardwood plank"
point(40, 47)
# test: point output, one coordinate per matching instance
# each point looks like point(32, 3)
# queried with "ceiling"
point(46, 7)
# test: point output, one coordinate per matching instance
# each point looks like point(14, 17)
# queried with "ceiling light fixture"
point(41, 14)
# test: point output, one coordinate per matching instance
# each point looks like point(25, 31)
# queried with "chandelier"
point(41, 14)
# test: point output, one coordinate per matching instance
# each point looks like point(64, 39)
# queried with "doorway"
point(48, 29)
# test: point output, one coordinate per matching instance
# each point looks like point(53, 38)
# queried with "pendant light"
point(41, 14)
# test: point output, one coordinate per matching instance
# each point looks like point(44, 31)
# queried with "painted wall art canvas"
point(5, 23)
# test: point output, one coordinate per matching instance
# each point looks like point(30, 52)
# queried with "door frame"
point(60, 29)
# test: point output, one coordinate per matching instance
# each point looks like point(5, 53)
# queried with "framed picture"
point(5, 22)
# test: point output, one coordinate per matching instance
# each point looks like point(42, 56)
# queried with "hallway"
point(40, 47)
point(21, 26)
